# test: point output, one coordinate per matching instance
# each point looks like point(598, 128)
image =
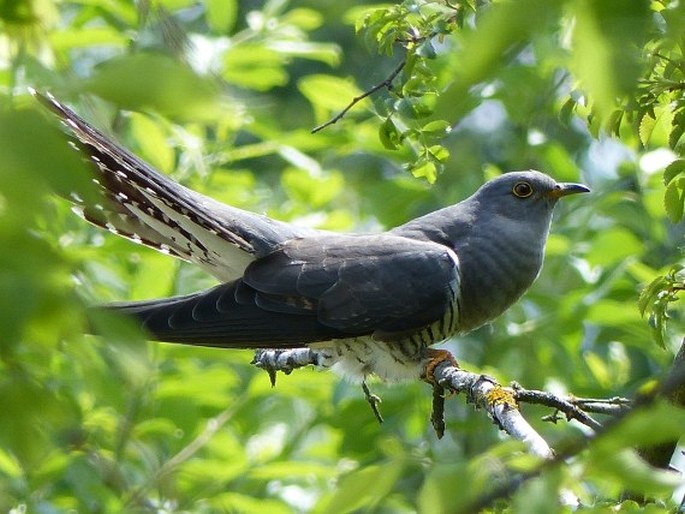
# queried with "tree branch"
point(501, 403)
point(671, 387)
point(387, 83)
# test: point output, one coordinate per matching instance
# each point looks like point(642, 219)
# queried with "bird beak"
point(567, 188)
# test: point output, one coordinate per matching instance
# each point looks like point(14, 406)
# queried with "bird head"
point(525, 195)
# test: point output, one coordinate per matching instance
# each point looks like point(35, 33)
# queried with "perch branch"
point(500, 402)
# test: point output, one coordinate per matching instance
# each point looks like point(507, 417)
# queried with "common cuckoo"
point(371, 304)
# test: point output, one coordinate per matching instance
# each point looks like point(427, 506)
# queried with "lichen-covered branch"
point(499, 402)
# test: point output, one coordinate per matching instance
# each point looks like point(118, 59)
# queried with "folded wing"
point(311, 290)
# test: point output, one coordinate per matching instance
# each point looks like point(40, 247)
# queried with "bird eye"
point(522, 189)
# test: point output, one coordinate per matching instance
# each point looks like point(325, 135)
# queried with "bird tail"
point(147, 207)
point(216, 318)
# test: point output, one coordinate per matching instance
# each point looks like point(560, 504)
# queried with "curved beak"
point(567, 188)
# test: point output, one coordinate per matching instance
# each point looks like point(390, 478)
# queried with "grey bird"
point(370, 304)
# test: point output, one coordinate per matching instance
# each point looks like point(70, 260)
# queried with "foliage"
point(222, 95)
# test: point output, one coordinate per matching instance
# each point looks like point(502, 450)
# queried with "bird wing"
point(147, 207)
point(311, 290)
point(380, 284)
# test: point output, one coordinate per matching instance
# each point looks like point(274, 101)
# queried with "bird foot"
point(436, 357)
point(374, 401)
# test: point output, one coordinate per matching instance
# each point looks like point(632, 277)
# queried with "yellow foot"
point(435, 357)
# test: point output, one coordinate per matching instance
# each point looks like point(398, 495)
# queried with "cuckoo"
point(370, 304)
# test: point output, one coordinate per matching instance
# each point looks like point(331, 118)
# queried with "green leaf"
point(234, 501)
point(425, 168)
point(254, 66)
point(436, 127)
point(655, 127)
point(389, 135)
point(221, 15)
point(614, 245)
point(361, 489)
point(611, 313)
point(313, 191)
point(673, 170)
point(633, 473)
point(673, 202)
point(503, 26)
point(648, 294)
point(153, 142)
point(329, 94)
point(439, 153)
point(65, 40)
point(329, 54)
point(171, 87)
point(539, 495)
point(607, 36)
point(647, 426)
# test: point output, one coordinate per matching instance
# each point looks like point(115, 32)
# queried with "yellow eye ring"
point(522, 189)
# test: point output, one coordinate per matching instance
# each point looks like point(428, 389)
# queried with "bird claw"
point(436, 357)
point(374, 401)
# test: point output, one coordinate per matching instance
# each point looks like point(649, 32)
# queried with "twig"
point(285, 361)
point(544, 398)
point(671, 385)
point(609, 406)
point(387, 83)
point(501, 403)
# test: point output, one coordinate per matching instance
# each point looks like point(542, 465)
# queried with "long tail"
point(147, 207)
point(216, 318)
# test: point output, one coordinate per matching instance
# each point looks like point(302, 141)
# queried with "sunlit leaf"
point(154, 144)
point(222, 15)
point(254, 66)
point(172, 88)
point(361, 489)
point(655, 128)
point(329, 94)
point(673, 202)
point(389, 135)
point(607, 36)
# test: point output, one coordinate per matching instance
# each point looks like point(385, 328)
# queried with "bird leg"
point(373, 400)
point(438, 411)
point(435, 357)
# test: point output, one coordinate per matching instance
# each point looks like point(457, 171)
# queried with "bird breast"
point(495, 272)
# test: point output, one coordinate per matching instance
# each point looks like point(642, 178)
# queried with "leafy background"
point(222, 95)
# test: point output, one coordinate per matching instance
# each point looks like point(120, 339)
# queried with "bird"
point(370, 304)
